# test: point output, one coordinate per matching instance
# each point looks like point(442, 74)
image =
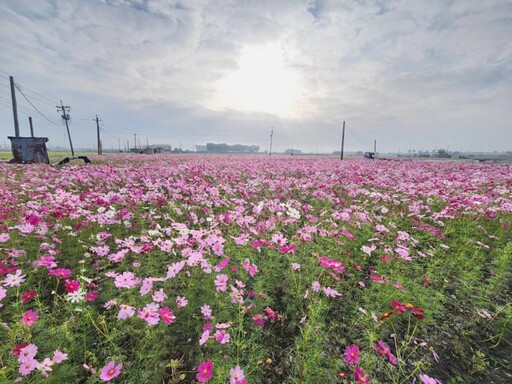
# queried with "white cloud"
point(405, 72)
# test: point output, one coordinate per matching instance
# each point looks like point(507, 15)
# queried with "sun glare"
point(263, 83)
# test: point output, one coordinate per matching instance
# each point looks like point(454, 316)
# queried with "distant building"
point(292, 151)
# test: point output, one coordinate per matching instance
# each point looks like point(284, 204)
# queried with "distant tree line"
point(235, 148)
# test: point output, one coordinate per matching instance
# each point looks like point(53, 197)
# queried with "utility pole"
point(135, 140)
point(342, 140)
point(65, 116)
point(14, 109)
point(100, 149)
point(271, 136)
point(119, 142)
point(147, 143)
point(31, 126)
point(374, 146)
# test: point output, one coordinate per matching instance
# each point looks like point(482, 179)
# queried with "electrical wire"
point(33, 106)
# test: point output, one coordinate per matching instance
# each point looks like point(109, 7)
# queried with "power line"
point(354, 136)
point(33, 106)
point(48, 99)
point(22, 108)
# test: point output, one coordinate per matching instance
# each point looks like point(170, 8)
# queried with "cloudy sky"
point(409, 74)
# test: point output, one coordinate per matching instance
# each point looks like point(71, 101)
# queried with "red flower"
point(386, 315)
point(17, 349)
point(28, 296)
point(398, 306)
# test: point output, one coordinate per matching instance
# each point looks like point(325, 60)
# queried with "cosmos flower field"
point(182, 269)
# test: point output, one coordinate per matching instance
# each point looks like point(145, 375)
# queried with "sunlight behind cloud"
point(263, 83)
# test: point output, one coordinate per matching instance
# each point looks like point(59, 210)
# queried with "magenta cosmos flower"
point(110, 371)
point(30, 317)
point(352, 354)
point(205, 371)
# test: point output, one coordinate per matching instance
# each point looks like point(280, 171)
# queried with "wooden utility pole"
point(135, 140)
point(14, 109)
point(100, 149)
point(65, 116)
point(119, 142)
point(374, 146)
point(31, 126)
point(342, 140)
point(271, 136)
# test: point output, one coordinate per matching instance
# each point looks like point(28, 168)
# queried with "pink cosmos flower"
point(26, 297)
point(147, 286)
point(204, 337)
point(61, 273)
point(206, 311)
point(45, 366)
point(59, 357)
point(428, 380)
point(14, 280)
point(352, 354)
point(384, 350)
point(126, 280)
point(27, 366)
point(259, 320)
point(125, 312)
point(222, 337)
point(251, 268)
point(47, 262)
point(221, 282)
point(91, 296)
point(315, 286)
point(295, 266)
point(205, 371)
point(4, 237)
point(159, 296)
point(30, 317)
point(181, 301)
point(166, 315)
point(27, 353)
point(223, 264)
point(150, 314)
point(110, 371)
point(360, 376)
point(236, 375)
point(3, 293)
point(72, 286)
point(331, 292)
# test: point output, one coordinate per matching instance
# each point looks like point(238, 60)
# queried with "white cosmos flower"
point(77, 296)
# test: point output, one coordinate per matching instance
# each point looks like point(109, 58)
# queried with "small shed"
point(29, 149)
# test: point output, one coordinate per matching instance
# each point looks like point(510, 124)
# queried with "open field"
point(169, 269)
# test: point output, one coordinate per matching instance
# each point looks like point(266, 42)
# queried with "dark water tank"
point(29, 149)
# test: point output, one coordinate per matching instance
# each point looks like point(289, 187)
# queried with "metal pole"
point(271, 136)
point(342, 140)
point(374, 146)
point(14, 109)
point(31, 126)
point(65, 116)
point(100, 150)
